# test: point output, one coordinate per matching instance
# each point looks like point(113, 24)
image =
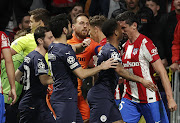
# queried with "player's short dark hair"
point(57, 23)
point(40, 33)
point(97, 20)
point(155, 1)
point(80, 14)
point(109, 27)
point(128, 17)
point(41, 14)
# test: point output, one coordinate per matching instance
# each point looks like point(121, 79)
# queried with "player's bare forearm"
point(127, 75)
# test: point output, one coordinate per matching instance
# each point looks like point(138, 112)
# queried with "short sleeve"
point(5, 43)
point(114, 54)
point(69, 58)
point(19, 44)
point(40, 66)
point(150, 52)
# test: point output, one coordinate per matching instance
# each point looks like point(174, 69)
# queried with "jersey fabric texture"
point(101, 95)
point(136, 58)
point(62, 61)
point(4, 43)
point(84, 59)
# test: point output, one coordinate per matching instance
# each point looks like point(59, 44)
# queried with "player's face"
point(127, 30)
point(93, 34)
point(132, 4)
point(177, 4)
point(33, 24)
point(75, 11)
point(25, 22)
point(48, 39)
point(81, 27)
point(153, 6)
point(120, 34)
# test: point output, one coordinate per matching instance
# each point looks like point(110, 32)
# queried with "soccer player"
point(34, 69)
point(5, 50)
point(63, 65)
point(80, 28)
point(139, 56)
point(101, 96)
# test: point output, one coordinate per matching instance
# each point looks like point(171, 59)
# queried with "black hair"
point(57, 23)
point(40, 33)
point(109, 27)
point(128, 17)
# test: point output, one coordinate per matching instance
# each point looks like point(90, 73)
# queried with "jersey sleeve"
point(40, 66)
point(96, 47)
point(21, 67)
point(114, 54)
point(150, 52)
point(19, 44)
point(5, 43)
point(69, 57)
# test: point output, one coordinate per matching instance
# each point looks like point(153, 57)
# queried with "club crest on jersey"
point(135, 51)
point(70, 59)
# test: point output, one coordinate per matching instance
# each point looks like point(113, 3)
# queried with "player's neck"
point(133, 38)
point(41, 50)
point(114, 42)
point(61, 39)
point(101, 37)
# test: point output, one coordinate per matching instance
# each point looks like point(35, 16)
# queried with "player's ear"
point(65, 31)
point(115, 32)
point(40, 41)
point(134, 25)
point(73, 27)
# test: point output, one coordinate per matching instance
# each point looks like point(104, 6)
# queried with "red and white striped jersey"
point(137, 58)
point(4, 43)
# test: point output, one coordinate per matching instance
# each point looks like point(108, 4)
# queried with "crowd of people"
point(50, 50)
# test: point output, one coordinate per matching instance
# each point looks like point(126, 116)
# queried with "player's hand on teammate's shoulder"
point(150, 85)
point(86, 42)
point(110, 63)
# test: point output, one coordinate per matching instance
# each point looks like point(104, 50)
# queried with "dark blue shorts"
point(103, 110)
point(36, 114)
point(152, 112)
point(2, 109)
point(66, 112)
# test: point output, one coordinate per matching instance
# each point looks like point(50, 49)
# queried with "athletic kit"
point(33, 107)
point(137, 58)
point(101, 96)
point(62, 61)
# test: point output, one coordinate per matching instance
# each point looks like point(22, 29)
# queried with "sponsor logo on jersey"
point(131, 64)
point(81, 58)
point(154, 51)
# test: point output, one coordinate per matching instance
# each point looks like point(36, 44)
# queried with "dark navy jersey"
point(62, 61)
point(34, 64)
point(108, 79)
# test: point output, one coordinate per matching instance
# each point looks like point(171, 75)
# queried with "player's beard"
point(81, 35)
point(69, 35)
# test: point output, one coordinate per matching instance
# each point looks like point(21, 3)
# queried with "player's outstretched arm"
point(10, 73)
point(78, 48)
point(159, 68)
point(46, 79)
point(13, 52)
point(84, 73)
point(129, 76)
